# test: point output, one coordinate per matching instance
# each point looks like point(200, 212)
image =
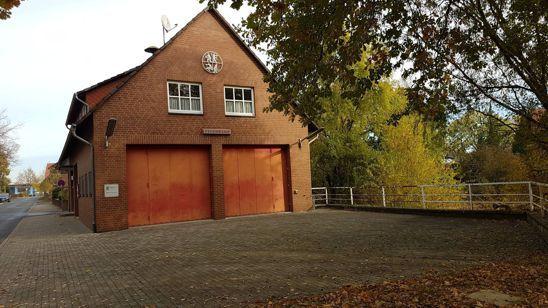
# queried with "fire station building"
point(183, 136)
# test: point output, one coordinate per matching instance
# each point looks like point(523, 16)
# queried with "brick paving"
point(52, 260)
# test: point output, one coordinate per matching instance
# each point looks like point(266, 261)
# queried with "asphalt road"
point(11, 213)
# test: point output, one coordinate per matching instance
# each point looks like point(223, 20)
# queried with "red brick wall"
point(142, 111)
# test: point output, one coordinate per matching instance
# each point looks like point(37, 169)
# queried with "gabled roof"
point(130, 73)
point(75, 102)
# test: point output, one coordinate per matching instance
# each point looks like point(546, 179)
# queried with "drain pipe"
point(72, 130)
point(311, 137)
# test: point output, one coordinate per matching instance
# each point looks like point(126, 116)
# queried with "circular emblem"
point(61, 183)
point(212, 62)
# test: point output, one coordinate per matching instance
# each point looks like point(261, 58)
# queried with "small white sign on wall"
point(111, 190)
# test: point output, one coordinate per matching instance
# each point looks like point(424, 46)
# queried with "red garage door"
point(254, 180)
point(167, 184)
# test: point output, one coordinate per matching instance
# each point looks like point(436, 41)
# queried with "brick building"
point(188, 138)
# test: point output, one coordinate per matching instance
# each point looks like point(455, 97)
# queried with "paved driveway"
point(53, 260)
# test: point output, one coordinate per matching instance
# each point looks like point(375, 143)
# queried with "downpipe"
point(72, 130)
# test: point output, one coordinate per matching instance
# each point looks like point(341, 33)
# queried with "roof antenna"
point(166, 27)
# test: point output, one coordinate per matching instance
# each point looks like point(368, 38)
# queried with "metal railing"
point(509, 196)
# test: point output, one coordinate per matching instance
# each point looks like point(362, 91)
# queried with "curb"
point(6, 240)
point(3, 243)
point(435, 212)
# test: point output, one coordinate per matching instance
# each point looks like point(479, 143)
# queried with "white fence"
point(509, 196)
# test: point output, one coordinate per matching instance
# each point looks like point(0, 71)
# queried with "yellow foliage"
point(406, 160)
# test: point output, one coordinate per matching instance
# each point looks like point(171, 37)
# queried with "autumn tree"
point(409, 155)
point(8, 148)
point(454, 54)
point(474, 130)
point(49, 182)
point(6, 6)
point(363, 145)
point(27, 176)
point(526, 144)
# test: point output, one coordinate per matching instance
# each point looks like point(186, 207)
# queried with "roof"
point(132, 72)
point(135, 70)
point(75, 102)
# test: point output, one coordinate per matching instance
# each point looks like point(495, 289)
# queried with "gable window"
point(239, 101)
point(184, 97)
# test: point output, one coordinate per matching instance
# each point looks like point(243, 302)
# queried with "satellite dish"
point(165, 23)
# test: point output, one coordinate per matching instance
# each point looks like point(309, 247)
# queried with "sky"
point(51, 49)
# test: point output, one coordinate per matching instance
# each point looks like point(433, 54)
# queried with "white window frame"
point(239, 114)
point(178, 111)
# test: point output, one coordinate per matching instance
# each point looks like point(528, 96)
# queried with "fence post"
point(326, 197)
point(423, 197)
point(383, 197)
point(470, 196)
point(351, 197)
point(531, 196)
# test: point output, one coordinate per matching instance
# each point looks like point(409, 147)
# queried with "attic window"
point(184, 98)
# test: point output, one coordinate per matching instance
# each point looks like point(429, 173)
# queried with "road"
point(11, 213)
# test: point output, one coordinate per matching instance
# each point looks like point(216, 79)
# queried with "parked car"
point(5, 197)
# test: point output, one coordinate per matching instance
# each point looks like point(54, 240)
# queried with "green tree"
point(346, 154)
point(6, 6)
point(474, 130)
point(454, 54)
point(363, 145)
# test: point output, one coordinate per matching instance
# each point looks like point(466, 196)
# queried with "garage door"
point(254, 180)
point(167, 185)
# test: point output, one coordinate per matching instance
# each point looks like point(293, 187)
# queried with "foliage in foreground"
point(455, 54)
point(6, 6)
point(526, 278)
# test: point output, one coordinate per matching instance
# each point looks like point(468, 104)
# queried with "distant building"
point(48, 169)
point(21, 190)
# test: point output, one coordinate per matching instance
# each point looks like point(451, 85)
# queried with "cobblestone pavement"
point(52, 260)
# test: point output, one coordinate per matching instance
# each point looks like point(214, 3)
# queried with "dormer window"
point(184, 98)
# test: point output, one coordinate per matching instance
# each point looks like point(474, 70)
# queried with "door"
point(167, 184)
point(254, 180)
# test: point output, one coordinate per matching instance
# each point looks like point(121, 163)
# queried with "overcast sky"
point(51, 49)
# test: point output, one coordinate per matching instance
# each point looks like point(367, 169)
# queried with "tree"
point(346, 154)
point(534, 153)
point(408, 156)
point(6, 6)
point(311, 45)
point(455, 54)
point(493, 164)
point(473, 130)
point(362, 145)
point(28, 176)
point(8, 149)
point(47, 184)
point(479, 53)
